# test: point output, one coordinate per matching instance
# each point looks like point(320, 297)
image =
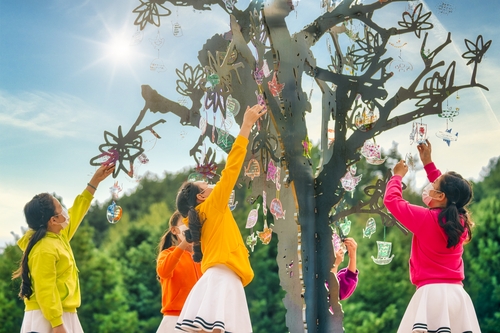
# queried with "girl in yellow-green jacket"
point(50, 286)
point(217, 302)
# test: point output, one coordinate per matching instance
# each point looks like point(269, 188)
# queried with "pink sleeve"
point(432, 172)
point(348, 281)
point(411, 216)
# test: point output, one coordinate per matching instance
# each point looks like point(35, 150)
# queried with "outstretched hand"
point(252, 114)
point(401, 168)
point(425, 150)
point(102, 173)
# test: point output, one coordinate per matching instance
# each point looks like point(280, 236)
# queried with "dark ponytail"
point(38, 213)
point(458, 193)
point(186, 203)
point(169, 239)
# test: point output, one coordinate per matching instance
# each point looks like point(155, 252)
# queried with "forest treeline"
point(120, 291)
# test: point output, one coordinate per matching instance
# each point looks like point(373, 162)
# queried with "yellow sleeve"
point(43, 278)
point(77, 213)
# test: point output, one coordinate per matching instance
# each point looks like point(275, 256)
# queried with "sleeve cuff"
point(56, 321)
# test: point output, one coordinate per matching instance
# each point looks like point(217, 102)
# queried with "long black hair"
point(186, 203)
point(458, 193)
point(169, 239)
point(38, 212)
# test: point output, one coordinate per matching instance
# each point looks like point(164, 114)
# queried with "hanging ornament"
point(137, 37)
point(384, 253)
point(177, 29)
point(418, 133)
point(447, 136)
point(410, 161)
point(157, 65)
point(266, 234)
point(196, 177)
point(265, 68)
point(202, 125)
point(349, 181)
point(336, 242)
point(345, 227)
point(251, 241)
point(371, 227)
point(143, 159)
point(253, 169)
point(261, 100)
point(274, 86)
point(271, 171)
point(253, 217)
point(114, 213)
point(307, 146)
point(232, 105)
point(276, 209)
point(232, 204)
point(331, 137)
point(258, 75)
point(372, 153)
point(366, 120)
point(264, 203)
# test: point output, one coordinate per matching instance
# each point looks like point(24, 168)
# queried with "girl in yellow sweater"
point(217, 302)
point(50, 286)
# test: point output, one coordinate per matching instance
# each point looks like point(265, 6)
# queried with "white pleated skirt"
point(216, 302)
point(440, 308)
point(34, 321)
point(167, 324)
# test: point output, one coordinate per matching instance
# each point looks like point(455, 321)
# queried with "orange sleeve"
point(167, 260)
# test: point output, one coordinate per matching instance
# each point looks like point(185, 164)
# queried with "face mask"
point(65, 214)
point(426, 197)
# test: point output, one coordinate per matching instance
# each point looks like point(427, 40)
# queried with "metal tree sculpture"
point(228, 73)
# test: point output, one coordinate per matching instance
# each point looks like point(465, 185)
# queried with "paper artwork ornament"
point(265, 235)
point(196, 177)
point(384, 253)
point(277, 179)
point(276, 209)
point(371, 227)
point(418, 133)
point(264, 203)
point(271, 171)
point(137, 37)
point(253, 169)
point(349, 181)
point(261, 100)
point(213, 79)
point(265, 68)
point(224, 140)
point(253, 217)
point(336, 241)
point(232, 105)
point(158, 41)
point(157, 65)
point(274, 86)
point(114, 213)
point(449, 114)
point(307, 146)
point(258, 75)
point(345, 227)
point(232, 204)
point(447, 136)
point(410, 161)
point(365, 121)
point(115, 190)
point(177, 29)
point(251, 241)
point(372, 153)
point(143, 159)
point(202, 125)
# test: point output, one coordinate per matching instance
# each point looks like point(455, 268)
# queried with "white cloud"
point(54, 115)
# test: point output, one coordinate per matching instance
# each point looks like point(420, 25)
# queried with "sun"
point(119, 49)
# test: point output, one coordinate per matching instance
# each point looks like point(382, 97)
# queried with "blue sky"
point(64, 81)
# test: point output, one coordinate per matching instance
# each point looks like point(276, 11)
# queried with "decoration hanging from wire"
point(384, 252)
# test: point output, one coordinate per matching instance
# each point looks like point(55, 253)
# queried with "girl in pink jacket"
point(440, 230)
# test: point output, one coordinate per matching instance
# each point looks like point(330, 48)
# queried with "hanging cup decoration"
point(384, 253)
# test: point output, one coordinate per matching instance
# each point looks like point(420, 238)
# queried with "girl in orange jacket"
point(176, 271)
